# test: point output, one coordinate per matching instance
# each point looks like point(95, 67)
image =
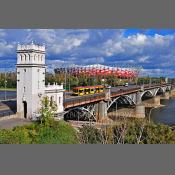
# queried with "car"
point(126, 84)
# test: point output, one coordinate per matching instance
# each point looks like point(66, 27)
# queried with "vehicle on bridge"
point(126, 84)
point(86, 90)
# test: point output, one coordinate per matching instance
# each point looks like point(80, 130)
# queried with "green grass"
point(58, 132)
point(7, 89)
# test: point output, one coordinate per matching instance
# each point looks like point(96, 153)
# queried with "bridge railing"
point(84, 100)
point(124, 91)
point(99, 97)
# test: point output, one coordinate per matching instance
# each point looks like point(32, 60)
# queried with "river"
point(165, 114)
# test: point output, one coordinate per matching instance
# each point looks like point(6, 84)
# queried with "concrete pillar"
point(138, 98)
point(172, 93)
point(140, 111)
point(166, 96)
point(156, 100)
point(97, 111)
point(101, 110)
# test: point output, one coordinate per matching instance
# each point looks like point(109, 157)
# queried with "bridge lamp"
point(5, 82)
point(5, 85)
point(150, 113)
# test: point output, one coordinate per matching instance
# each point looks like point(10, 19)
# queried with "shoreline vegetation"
point(132, 131)
point(48, 131)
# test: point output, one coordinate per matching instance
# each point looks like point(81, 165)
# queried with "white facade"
point(55, 93)
point(31, 81)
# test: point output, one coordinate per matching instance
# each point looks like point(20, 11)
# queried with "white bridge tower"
point(30, 79)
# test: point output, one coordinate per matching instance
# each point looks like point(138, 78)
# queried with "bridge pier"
point(140, 108)
point(156, 100)
point(101, 110)
point(172, 93)
point(140, 111)
point(166, 96)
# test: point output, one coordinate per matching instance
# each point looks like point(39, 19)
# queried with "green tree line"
point(9, 80)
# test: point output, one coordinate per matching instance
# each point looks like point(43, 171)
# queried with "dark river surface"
point(164, 114)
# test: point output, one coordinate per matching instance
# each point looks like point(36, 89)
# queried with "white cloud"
point(143, 59)
point(93, 60)
point(59, 40)
point(105, 46)
point(48, 35)
point(138, 39)
point(6, 49)
point(2, 33)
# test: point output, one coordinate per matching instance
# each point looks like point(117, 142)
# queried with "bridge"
point(98, 105)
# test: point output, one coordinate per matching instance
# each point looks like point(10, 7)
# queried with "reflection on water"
point(165, 114)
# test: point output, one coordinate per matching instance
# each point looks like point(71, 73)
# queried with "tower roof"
point(32, 46)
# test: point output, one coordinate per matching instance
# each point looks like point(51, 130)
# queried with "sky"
point(151, 49)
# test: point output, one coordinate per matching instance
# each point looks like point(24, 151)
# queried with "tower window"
point(24, 70)
point(59, 100)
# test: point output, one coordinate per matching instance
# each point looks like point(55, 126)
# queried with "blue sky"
point(153, 49)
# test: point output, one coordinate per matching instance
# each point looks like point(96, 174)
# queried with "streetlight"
point(116, 109)
point(5, 84)
point(150, 113)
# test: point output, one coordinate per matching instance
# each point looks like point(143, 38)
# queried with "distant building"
point(31, 81)
point(99, 70)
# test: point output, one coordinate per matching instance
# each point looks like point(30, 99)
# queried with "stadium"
point(99, 70)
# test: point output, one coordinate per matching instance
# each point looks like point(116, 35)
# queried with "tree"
point(47, 111)
point(128, 131)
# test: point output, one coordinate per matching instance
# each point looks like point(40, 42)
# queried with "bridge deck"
point(74, 101)
point(115, 92)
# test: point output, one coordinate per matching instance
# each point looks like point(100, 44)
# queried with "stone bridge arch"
point(125, 98)
point(147, 92)
point(81, 113)
point(168, 88)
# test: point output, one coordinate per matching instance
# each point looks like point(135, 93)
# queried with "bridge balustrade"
point(84, 100)
point(100, 97)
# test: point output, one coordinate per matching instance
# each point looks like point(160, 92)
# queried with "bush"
point(90, 135)
point(58, 132)
point(129, 131)
point(18, 136)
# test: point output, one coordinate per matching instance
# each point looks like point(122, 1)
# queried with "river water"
point(165, 114)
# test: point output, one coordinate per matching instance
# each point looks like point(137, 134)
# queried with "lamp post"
point(150, 113)
point(5, 85)
point(116, 109)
